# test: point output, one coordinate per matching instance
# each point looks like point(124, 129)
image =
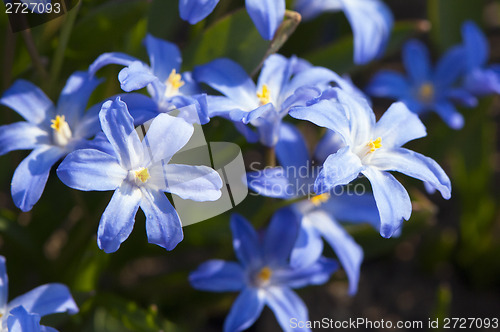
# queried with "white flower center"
point(62, 132)
point(173, 83)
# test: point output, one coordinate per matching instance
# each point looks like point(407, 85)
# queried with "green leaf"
point(234, 37)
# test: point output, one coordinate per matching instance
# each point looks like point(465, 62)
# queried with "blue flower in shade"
point(170, 90)
point(479, 79)
point(51, 131)
point(319, 213)
point(371, 22)
point(373, 149)
point(139, 174)
point(267, 15)
point(264, 274)
point(23, 313)
point(283, 83)
point(426, 90)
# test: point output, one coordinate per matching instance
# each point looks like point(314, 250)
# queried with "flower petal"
point(291, 149)
point(245, 240)
point(476, 45)
point(275, 73)
point(166, 136)
point(136, 76)
point(31, 176)
point(29, 101)
point(19, 320)
point(390, 84)
point(267, 15)
point(330, 143)
point(163, 225)
point(245, 310)
point(338, 169)
point(4, 283)
point(327, 114)
point(118, 125)
point(308, 247)
point(417, 61)
point(163, 57)
point(89, 169)
point(449, 67)
point(280, 236)
point(399, 125)
point(21, 136)
point(230, 79)
point(110, 58)
point(141, 107)
point(197, 183)
point(218, 276)
point(449, 114)
point(309, 9)
point(273, 182)
point(349, 253)
point(415, 165)
point(393, 202)
point(353, 208)
point(286, 305)
point(75, 96)
point(194, 11)
point(371, 23)
point(46, 299)
point(118, 219)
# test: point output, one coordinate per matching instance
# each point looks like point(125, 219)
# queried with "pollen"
point(265, 274)
point(142, 174)
point(175, 80)
point(320, 199)
point(265, 95)
point(374, 145)
point(426, 92)
point(58, 123)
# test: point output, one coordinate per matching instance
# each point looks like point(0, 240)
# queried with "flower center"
point(173, 83)
point(62, 131)
point(264, 96)
point(320, 199)
point(426, 93)
point(142, 174)
point(374, 145)
point(263, 278)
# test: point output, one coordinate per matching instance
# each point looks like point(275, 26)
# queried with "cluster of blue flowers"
point(101, 150)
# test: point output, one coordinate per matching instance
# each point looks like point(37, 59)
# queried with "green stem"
point(270, 157)
point(34, 55)
point(66, 30)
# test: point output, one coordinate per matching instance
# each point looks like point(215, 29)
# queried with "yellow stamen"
point(426, 92)
point(320, 199)
point(265, 274)
point(142, 174)
point(58, 123)
point(264, 96)
point(374, 145)
point(175, 80)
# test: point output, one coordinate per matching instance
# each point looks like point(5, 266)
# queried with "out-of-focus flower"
point(479, 79)
point(373, 149)
point(371, 22)
point(283, 83)
point(267, 15)
point(426, 89)
point(23, 313)
point(170, 90)
point(264, 274)
point(51, 131)
point(139, 174)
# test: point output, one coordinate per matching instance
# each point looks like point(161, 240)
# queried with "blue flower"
point(371, 22)
point(373, 149)
point(23, 313)
point(479, 79)
point(264, 274)
point(170, 90)
point(320, 213)
point(283, 83)
point(425, 90)
point(50, 131)
point(267, 15)
point(139, 174)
